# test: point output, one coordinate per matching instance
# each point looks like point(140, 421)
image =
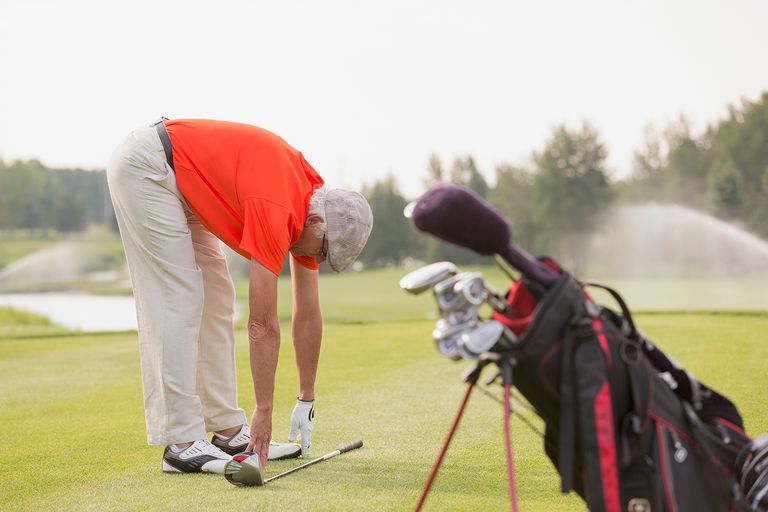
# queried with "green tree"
point(435, 172)
point(392, 238)
point(671, 167)
point(71, 214)
point(513, 196)
point(39, 199)
point(570, 189)
point(464, 172)
point(738, 170)
point(723, 171)
point(686, 166)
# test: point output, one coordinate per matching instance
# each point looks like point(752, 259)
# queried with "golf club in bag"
point(626, 427)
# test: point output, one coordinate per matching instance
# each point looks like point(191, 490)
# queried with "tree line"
point(39, 200)
point(552, 201)
point(556, 200)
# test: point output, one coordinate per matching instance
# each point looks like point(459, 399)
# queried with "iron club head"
point(425, 277)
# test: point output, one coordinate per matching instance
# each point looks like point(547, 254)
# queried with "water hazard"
point(78, 311)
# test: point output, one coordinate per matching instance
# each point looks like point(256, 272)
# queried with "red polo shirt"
point(246, 185)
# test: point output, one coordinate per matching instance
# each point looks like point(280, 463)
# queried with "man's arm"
point(306, 327)
point(264, 347)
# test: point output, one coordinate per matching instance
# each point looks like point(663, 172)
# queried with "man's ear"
point(314, 219)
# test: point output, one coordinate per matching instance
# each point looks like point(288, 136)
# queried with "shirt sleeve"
point(306, 261)
point(267, 230)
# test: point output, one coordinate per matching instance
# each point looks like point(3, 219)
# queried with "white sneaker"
point(280, 451)
point(200, 457)
point(239, 442)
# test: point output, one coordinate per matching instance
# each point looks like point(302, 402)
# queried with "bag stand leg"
point(471, 378)
point(439, 462)
point(506, 377)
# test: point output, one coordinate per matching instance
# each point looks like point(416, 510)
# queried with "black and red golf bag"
point(626, 428)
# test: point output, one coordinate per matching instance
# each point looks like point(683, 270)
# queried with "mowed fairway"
point(79, 399)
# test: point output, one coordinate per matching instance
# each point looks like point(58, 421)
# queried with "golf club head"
point(244, 470)
point(449, 348)
point(484, 337)
point(445, 329)
point(446, 336)
point(473, 288)
point(450, 298)
point(426, 277)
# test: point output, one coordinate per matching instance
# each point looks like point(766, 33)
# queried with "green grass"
point(16, 324)
point(374, 296)
point(382, 381)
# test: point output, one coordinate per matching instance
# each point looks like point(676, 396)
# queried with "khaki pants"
point(184, 298)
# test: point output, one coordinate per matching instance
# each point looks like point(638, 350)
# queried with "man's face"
point(309, 244)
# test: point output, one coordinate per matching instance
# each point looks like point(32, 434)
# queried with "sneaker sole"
point(215, 466)
point(167, 468)
point(292, 455)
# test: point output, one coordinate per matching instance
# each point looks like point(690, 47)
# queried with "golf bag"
point(627, 429)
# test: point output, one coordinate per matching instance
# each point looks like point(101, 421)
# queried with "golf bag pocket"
point(678, 462)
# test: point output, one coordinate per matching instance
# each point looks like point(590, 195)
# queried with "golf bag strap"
point(620, 301)
point(638, 479)
point(688, 387)
point(579, 328)
point(640, 384)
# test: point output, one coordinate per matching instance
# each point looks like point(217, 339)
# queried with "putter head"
point(244, 470)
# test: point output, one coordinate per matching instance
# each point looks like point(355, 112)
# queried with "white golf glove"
point(302, 420)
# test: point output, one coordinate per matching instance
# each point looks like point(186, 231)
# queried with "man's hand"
point(302, 420)
point(261, 434)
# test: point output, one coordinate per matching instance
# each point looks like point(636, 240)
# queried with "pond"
point(78, 311)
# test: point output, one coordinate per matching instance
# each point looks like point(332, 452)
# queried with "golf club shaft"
point(528, 265)
point(357, 444)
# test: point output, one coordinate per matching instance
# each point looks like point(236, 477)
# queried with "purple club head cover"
point(458, 215)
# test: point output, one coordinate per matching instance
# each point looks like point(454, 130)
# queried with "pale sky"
point(369, 88)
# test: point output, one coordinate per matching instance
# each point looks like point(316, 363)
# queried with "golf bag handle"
point(458, 215)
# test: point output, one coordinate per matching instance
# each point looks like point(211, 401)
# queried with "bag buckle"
point(639, 505)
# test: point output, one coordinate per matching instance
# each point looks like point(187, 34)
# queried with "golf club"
point(424, 278)
point(484, 337)
point(247, 471)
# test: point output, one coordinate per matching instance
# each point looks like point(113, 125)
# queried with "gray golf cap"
point(349, 221)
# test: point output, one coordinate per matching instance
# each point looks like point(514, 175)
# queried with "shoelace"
point(202, 447)
point(242, 437)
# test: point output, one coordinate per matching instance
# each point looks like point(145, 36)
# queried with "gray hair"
point(317, 207)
